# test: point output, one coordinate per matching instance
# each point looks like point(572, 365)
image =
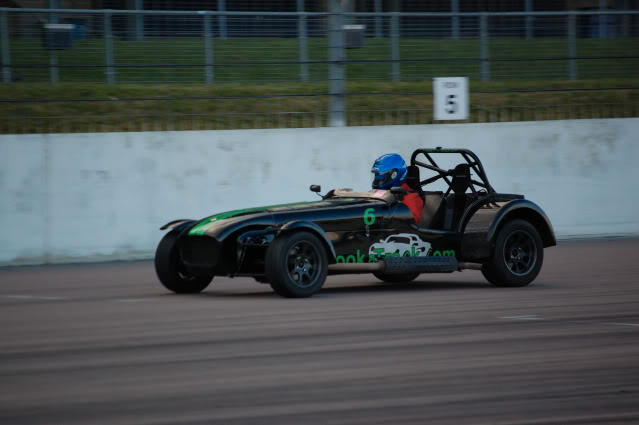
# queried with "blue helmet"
point(389, 170)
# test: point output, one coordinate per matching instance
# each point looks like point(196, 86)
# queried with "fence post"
point(108, 48)
point(53, 55)
point(53, 66)
point(336, 107)
point(379, 29)
point(303, 42)
point(6, 57)
point(529, 20)
point(454, 7)
point(603, 20)
point(572, 47)
point(139, 21)
point(395, 57)
point(208, 49)
point(483, 48)
point(221, 7)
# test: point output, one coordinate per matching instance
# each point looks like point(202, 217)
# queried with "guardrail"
point(122, 187)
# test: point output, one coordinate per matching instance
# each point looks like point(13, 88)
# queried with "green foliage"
point(274, 60)
point(85, 107)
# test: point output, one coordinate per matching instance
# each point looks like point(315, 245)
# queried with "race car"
point(293, 247)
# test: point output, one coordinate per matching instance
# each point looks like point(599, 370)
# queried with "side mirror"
point(398, 190)
point(316, 188)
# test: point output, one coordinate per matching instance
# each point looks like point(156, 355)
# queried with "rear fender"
point(316, 230)
point(523, 209)
point(177, 224)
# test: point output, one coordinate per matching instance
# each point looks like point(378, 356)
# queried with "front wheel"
point(171, 272)
point(296, 265)
point(518, 255)
point(396, 278)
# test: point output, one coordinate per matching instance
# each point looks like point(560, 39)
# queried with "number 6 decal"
point(369, 216)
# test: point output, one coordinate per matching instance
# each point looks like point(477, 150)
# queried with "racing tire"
point(171, 272)
point(296, 265)
point(396, 278)
point(517, 257)
point(489, 274)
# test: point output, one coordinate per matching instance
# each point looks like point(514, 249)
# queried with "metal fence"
point(327, 49)
point(128, 46)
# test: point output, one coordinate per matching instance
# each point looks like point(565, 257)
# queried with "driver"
point(390, 171)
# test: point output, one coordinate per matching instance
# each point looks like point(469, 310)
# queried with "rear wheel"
point(518, 255)
point(396, 278)
point(170, 270)
point(296, 265)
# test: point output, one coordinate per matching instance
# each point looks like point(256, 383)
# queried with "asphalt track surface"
point(106, 344)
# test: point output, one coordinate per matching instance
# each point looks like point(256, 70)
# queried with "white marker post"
point(450, 98)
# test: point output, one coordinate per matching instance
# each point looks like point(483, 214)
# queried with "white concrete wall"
point(85, 197)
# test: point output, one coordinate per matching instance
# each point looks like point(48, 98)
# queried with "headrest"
point(461, 178)
point(412, 177)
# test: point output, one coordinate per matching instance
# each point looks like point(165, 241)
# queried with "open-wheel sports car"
point(293, 247)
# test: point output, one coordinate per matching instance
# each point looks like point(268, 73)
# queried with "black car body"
point(363, 232)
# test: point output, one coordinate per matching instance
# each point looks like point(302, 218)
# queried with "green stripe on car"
point(201, 228)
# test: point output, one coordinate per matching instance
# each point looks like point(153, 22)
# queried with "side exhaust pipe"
point(357, 268)
point(404, 265)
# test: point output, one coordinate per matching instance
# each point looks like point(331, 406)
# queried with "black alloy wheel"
point(517, 257)
point(303, 262)
point(296, 265)
point(519, 252)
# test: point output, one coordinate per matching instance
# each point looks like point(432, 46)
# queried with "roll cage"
point(471, 159)
point(454, 209)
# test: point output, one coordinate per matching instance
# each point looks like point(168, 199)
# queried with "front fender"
point(525, 210)
point(177, 224)
point(316, 230)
